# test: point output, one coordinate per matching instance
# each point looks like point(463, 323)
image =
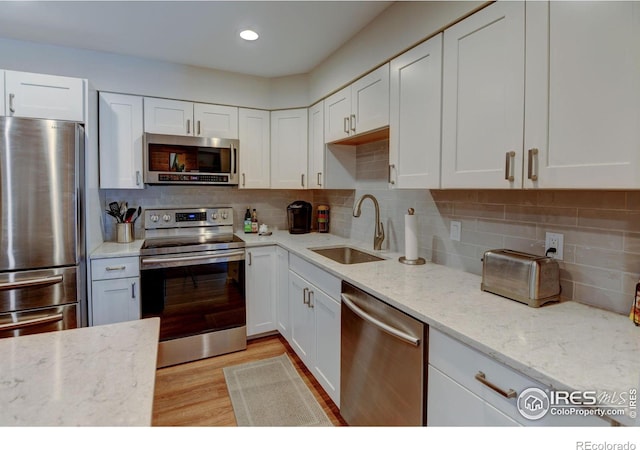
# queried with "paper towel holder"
point(412, 262)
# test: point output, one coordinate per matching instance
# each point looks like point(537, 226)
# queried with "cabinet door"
point(120, 122)
point(289, 149)
point(483, 99)
point(115, 300)
point(337, 110)
point(326, 368)
point(415, 104)
point(164, 116)
point(255, 154)
point(450, 404)
point(283, 316)
point(316, 146)
point(261, 290)
point(583, 94)
point(303, 328)
point(44, 96)
point(370, 101)
point(215, 121)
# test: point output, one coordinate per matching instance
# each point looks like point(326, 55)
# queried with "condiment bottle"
point(247, 221)
point(254, 221)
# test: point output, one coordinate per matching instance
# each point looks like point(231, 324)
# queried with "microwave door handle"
point(233, 160)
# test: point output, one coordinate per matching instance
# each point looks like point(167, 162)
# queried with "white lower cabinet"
point(115, 290)
point(261, 290)
point(467, 388)
point(315, 322)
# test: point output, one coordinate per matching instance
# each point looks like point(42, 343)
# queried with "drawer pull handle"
point(112, 268)
point(482, 378)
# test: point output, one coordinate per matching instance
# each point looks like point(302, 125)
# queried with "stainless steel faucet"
point(378, 237)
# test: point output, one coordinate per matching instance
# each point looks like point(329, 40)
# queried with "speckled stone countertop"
point(566, 345)
point(117, 250)
point(95, 376)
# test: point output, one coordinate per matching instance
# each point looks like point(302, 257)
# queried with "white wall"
point(399, 27)
point(127, 74)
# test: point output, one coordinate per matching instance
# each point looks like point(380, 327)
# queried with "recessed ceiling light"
point(249, 35)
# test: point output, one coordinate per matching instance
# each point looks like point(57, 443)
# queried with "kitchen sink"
point(346, 255)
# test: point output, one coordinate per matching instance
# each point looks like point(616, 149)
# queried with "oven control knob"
point(215, 216)
point(224, 215)
point(166, 217)
point(154, 217)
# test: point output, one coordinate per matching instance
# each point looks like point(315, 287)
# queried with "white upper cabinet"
point(483, 99)
point(415, 105)
point(163, 116)
point(583, 95)
point(359, 108)
point(254, 134)
point(316, 146)
point(121, 154)
point(289, 149)
point(43, 96)
point(215, 121)
point(337, 109)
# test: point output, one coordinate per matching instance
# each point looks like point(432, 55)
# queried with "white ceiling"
point(295, 36)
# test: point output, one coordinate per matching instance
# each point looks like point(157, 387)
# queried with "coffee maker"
point(299, 217)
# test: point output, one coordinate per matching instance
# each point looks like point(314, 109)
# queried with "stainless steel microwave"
point(170, 159)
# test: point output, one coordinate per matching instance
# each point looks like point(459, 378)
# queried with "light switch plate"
point(454, 233)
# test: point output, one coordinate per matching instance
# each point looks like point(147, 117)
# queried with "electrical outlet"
point(454, 233)
point(554, 240)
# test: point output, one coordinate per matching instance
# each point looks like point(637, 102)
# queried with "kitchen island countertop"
point(95, 376)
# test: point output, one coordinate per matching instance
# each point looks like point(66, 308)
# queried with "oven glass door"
point(195, 299)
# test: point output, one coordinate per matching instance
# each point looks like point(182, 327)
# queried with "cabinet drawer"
point(462, 363)
point(110, 268)
point(315, 275)
point(450, 404)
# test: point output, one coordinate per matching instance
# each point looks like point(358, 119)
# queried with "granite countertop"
point(95, 376)
point(566, 345)
point(117, 250)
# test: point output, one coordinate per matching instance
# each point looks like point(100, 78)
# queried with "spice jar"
point(323, 219)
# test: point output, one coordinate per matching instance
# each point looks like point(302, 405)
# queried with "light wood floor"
point(195, 394)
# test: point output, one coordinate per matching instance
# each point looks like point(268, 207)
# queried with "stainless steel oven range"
point(192, 278)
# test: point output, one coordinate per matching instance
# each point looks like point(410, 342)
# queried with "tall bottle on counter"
point(247, 221)
point(254, 221)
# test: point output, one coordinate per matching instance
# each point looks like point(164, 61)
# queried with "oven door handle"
point(212, 258)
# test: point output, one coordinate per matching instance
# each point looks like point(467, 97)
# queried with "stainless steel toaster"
point(530, 279)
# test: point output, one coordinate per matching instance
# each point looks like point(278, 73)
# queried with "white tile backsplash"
point(602, 243)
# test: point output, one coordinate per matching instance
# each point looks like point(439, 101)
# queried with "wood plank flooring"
point(195, 394)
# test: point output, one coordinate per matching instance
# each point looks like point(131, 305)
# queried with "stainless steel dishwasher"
point(382, 363)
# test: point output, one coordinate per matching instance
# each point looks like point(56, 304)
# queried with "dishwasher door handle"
point(409, 339)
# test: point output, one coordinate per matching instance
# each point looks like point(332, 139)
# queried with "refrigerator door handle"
point(31, 322)
point(44, 281)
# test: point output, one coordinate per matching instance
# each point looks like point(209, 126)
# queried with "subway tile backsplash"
point(601, 228)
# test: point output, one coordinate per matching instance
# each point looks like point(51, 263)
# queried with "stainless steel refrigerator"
point(42, 285)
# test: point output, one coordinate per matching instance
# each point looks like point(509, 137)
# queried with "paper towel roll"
point(410, 237)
